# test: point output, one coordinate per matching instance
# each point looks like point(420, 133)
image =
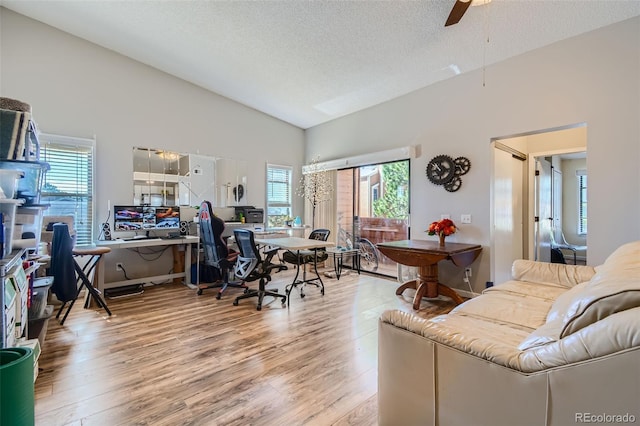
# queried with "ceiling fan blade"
point(459, 8)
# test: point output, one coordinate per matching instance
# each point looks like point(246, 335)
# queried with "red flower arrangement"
point(444, 227)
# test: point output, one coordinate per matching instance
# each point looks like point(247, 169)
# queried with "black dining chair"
point(68, 276)
point(301, 258)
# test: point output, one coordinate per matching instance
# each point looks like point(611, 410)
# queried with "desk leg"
point(187, 265)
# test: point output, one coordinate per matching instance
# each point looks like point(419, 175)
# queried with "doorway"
point(515, 198)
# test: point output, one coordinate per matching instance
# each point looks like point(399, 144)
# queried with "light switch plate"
point(445, 216)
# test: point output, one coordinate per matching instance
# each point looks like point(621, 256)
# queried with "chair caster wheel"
point(246, 290)
point(284, 302)
point(322, 292)
point(259, 308)
point(218, 296)
point(199, 292)
point(302, 295)
point(235, 303)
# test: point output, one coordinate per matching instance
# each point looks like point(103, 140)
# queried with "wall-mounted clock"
point(463, 165)
point(441, 169)
point(454, 184)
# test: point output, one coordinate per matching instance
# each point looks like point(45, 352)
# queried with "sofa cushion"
point(601, 298)
point(616, 333)
point(523, 288)
point(625, 256)
point(525, 312)
point(563, 302)
point(615, 287)
point(551, 273)
point(547, 333)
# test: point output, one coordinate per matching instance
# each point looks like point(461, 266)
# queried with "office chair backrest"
point(319, 234)
point(65, 285)
point(249, 257)
point(211, 229)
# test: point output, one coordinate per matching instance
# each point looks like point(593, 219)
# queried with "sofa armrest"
point(551, 273)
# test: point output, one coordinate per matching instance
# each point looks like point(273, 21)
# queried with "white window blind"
point(279, 189)
point(69, 184)
point(582, 202)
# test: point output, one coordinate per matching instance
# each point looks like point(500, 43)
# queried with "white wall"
point(77, 88)
point(593, 78)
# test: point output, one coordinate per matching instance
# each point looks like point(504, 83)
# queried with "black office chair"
point(301, 258)
point(68, 276)
point(252, 266)
point(216, 252)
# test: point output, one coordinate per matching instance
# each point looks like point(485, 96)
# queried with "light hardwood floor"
point(171, 357)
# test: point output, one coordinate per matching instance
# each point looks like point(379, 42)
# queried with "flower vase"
point(441, 236)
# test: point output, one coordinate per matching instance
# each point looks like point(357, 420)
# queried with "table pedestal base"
point(427, 285)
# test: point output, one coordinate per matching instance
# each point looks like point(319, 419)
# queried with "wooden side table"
point(425, 255)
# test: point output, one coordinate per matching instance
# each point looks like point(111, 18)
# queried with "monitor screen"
point(167, 217)
point(145, 218)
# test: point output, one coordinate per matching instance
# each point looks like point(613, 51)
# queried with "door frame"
point(528, 187)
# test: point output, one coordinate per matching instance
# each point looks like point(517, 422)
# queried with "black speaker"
point(106, 231)
point(184, 227)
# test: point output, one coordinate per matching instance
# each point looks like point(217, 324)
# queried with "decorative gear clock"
point(444, 170)
point(441, 169)
point(463, 165)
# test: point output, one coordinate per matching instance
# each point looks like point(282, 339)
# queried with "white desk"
point(296, 244)
point(294, 231)
point(154, 242)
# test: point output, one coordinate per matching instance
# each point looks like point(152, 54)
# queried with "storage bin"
point(9, 182)
point(38, 327)
point(29, 186)
point(30, 218)
point(8, 209)
point(39, 297)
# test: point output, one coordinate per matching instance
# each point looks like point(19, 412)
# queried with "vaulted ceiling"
point(308, 62)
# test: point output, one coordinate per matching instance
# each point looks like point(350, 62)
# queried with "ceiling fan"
point(459, 8)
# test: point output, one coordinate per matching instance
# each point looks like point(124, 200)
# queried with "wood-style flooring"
point(171, 357)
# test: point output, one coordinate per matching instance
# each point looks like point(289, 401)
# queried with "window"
point(279, 190)
point(582, 202)
point(68, 185)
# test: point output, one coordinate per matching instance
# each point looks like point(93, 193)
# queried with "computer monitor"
point(130, 218)
point(145, 218)
point(167, 217)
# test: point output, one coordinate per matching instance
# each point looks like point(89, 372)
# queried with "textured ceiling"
point(308, 62)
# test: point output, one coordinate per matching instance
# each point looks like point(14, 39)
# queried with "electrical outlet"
point(467, 272)
point(119, 266)
point(465, 218)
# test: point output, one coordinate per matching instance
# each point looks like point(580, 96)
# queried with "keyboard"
point(140, 238)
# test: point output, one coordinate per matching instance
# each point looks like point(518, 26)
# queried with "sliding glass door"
point(373, 207)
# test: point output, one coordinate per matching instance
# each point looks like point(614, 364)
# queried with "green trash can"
point(17, 407)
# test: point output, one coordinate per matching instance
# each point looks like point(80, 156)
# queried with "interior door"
point(543, 214)
point(508, 214)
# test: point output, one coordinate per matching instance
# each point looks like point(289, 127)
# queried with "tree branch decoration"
point(315, 186)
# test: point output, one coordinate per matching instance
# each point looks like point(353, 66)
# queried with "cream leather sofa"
point(557, 345)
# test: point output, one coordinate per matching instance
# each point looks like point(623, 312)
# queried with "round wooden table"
point(425, 255)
